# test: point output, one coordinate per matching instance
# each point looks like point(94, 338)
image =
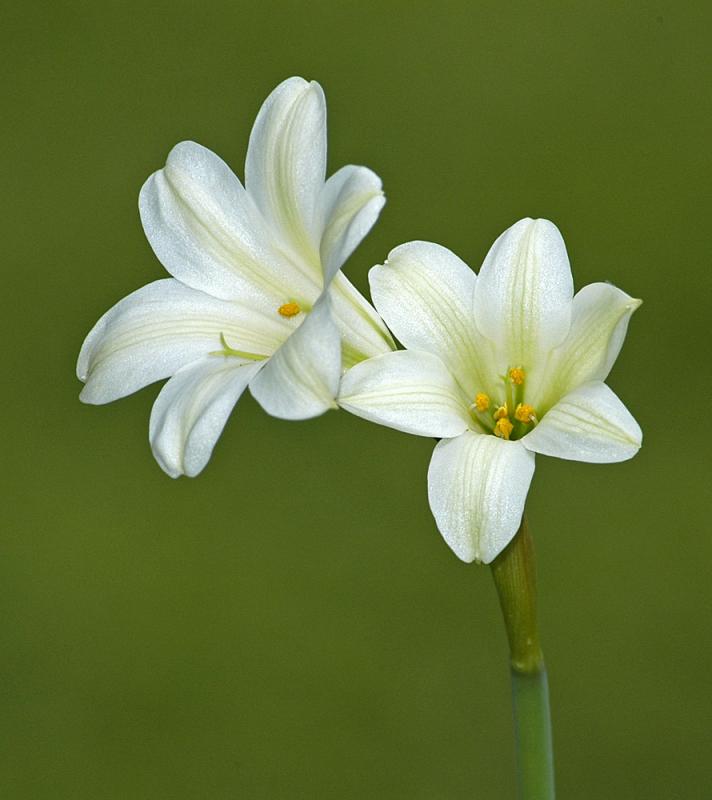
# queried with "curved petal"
point(599, 323)
point(207, 232)
point(477, 486)
point(524, 291)
point(350, 202)
point(158, 329)
point(286, 164)
point(407, 390)
point(191, 410)
point(589, 424)
point(424, 292)
point(363, 332)
point(301, 379)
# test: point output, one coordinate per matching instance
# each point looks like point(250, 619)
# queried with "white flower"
point(256, 296)
point(500, 367)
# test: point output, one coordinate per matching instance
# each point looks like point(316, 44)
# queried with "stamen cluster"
point(499, 422)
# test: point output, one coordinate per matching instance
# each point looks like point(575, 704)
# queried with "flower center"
point(495, 418)
point(290, 309)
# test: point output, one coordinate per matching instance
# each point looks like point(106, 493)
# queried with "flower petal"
point(286, 164)
point(425, 293)
point(350, 201)
point(363, 332)
point(599, 323)
point(160, 328)
point(524, 291)
point(589, 424)
point(477, 486)
point(408, 390)
point(191, 410)
point(207, 232)
point(301, 379)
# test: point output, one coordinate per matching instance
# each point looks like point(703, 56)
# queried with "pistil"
point(230, 351)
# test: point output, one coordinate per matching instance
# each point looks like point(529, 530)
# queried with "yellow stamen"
point(290, 309)
point(482, 401)
point(503, 428)
point(525, 413)
point(516, 375)
point(501, 412)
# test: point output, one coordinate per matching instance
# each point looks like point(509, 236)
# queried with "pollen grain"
point(525, 413)
point(290, 309)
point(482, 401)
point(516, 375)
point(503, 428)
point(501, 413)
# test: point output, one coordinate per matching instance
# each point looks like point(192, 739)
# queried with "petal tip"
point(91, 397)
point(295, 80)
point(169, 469)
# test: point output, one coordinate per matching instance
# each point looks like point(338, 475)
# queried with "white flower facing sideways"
point(499, 367)
point(256, 296)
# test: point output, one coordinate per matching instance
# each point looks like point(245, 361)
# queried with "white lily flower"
point(256, 296)
point(499, 366)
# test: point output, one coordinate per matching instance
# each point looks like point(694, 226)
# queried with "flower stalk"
point(514, 572)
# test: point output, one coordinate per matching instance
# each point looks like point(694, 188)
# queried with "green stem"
point(514, 573)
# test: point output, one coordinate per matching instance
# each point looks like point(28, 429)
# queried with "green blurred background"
point(290, 624)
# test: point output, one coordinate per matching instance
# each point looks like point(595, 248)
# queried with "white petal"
point(191, 410)
point(477, 486)
point(425, 293)
point(160, 328)
point(408, 390)
point(524, 291)
point(207, 232)
point(363, 332)
point(589, 424)
point(599, 323)
point(350, 201)
point(301, 379)
point(286, 164)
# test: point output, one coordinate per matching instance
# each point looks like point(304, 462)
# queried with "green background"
point(290, 624)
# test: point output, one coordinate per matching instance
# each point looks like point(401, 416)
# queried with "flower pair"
point(498, 366)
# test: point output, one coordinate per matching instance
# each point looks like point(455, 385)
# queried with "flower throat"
point(511, 419)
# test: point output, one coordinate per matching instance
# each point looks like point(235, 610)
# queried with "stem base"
point(532, 732)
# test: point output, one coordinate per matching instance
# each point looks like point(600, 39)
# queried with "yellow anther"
point(482, 401)
point(290, 309)
point(501, 412)
point(516, 375)
point(503, 428)
point(525, 413)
